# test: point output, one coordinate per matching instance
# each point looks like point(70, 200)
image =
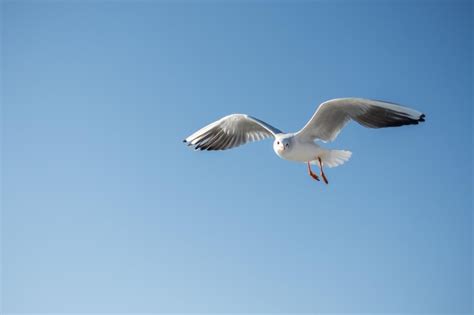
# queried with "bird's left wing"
point(229, 132)
point(331, 116)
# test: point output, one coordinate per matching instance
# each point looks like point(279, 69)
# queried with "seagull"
point(330, 117)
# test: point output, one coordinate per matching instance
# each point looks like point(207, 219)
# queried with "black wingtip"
point(422, 118)
point(184, 141)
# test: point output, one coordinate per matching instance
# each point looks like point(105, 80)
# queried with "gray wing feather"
point(229, 132)
point(331, 116)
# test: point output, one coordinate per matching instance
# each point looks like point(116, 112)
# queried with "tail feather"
point(333, 158)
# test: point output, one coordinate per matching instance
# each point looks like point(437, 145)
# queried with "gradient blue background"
point(105, 210)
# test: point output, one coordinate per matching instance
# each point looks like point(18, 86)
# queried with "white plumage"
point(331, 116)
point(230, 132)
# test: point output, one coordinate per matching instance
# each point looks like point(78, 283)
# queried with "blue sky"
point(105, 210)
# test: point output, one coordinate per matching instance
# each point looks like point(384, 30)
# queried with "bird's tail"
point(333, 158)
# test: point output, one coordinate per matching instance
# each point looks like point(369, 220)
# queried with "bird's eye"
point(287, 144)
point(278, 142)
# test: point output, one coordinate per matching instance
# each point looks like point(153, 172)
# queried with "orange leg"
point(313, 175)
point(322, 172)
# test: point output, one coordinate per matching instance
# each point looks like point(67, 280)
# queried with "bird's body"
point(297, 150)
point(326, 123)
point(303, 150)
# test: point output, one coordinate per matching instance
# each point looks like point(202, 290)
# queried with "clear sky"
point(105, 210)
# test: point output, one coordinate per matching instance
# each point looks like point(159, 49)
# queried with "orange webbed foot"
point(322, 172)
point(313, 175)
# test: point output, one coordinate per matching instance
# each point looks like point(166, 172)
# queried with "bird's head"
point(281, 144)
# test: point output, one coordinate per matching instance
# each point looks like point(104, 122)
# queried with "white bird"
point(331, 116)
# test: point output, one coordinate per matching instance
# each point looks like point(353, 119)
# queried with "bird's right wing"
point(331, 116)
point(229, 132)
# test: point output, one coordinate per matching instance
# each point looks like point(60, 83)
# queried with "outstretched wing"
point(230, 132)
point(331, 116)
